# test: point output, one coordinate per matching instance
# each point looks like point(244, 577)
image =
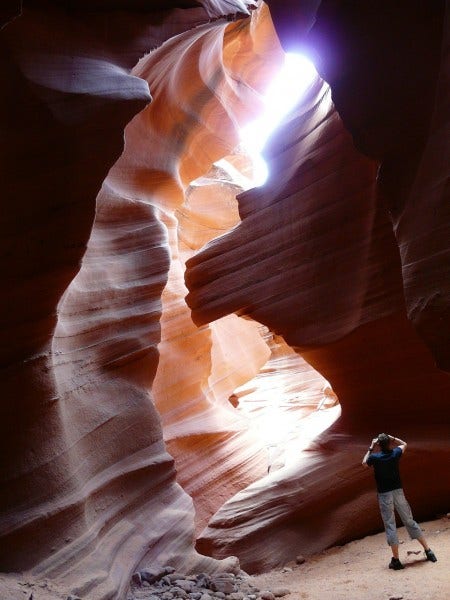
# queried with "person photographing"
point(391, 498)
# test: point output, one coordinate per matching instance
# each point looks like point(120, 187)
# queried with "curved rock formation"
point(329, 262)
point(116, 401)
point(329, 279)
point(199, 424)
point(89, 491)
point(393, 100)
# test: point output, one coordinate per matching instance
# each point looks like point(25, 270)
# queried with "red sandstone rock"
point(97, 339)
point(88, 490)
point(285, 284)
point(391, 98)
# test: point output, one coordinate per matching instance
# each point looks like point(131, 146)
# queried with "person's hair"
point(383, 441)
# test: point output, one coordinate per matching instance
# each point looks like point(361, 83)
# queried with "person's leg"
point(415, 533)
point(386, 504)
point(404, 512)
point(424, 542)
point(394, 548)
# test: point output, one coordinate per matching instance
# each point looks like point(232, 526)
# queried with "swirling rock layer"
point(331, 280)
point(88, 488)
point(105, 370)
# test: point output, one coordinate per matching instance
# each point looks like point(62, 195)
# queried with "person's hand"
point(372, 444)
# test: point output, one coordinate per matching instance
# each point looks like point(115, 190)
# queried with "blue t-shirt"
point(386, 471)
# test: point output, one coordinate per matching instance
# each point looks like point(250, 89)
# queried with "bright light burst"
point(285, 90)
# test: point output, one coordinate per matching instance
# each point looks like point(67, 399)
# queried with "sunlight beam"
point(294, 78)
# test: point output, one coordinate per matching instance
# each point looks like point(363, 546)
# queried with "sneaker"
point(396, 564)
point(430, 555)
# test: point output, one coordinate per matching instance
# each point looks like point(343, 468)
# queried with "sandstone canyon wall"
point(333, 277)
point(119, 443)
point(89, 490)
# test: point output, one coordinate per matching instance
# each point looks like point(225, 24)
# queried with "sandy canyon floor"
point(359, 570)
point(355, 571)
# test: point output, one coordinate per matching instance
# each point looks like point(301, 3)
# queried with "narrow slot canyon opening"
point(288, 404)
point(175, 312)
point(231, 394)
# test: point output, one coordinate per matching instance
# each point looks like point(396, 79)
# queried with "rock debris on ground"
point(357, 570)
point(166, 584)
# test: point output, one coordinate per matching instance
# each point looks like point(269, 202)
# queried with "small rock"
point(206, 597)
point(413, 552)
point(184, 584)
point(136, 578)
point(203, 580)
point(219, 595)
point(395, 597)
point(223, 577)
point(249, 590)
point(236, 596)
point(70, 597)
point(167, 596)
point(300, 559)
point(252, 597)
point(286, 570)
point(195, 595)
point(267, 596)
point(172, 577)
point(224, 582)
point(168, 570)
point(152, 575)
point(280, 592)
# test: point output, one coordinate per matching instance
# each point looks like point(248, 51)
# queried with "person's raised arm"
point(399, 442)
point(369, 450)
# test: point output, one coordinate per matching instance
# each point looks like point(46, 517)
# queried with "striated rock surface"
point(126, 420)
point(322, 497)
point(330, 278)
point(394, 101)
point(88, 488)
point(328, 262)
point(199, 368)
